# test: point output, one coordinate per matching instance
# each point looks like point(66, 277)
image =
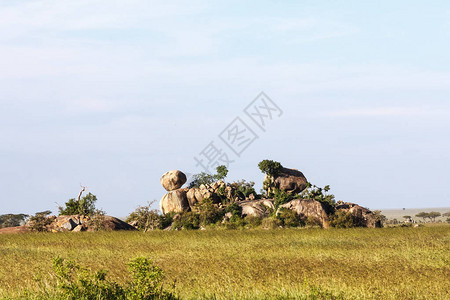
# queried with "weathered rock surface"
point(173, 180)
point(174, 201)
point(365, 217)
point(309, 208)
point(194, 196)
point(256, 208)
point(113, 223)
point(289, 180)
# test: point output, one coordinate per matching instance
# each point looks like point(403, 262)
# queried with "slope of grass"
point(387, 263)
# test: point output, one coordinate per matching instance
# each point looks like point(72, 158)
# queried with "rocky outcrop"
point(173, 180)
point(364, 217)
point(68, 223)
point(113, 223)
point(77, 223)
point(174, 201)
point(288, 180)
point(309, 209)
point(257, 208)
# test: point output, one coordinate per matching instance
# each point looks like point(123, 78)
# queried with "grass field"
point(386, 263)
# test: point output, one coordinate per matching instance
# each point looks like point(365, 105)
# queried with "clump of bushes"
point(145, 218)
point(40, 221)
point(76, 282)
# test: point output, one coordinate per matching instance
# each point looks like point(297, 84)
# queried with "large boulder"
point(288, 180)
point(174, 201)
point(363, 216)
point(309, 208)
point(256, 208)
point(113, 223)
point(173, 180)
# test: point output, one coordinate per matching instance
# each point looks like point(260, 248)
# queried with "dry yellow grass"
point(387, 263)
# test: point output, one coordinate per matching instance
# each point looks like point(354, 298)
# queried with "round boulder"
point(288, 180)
point(174, 201)
point(173, 180)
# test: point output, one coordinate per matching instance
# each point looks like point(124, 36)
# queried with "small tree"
point(270, 167)
point(433, 215)
point(423, 215)
point(207, 179)
point(80, 206)
point(221, 172)
point(406, 217)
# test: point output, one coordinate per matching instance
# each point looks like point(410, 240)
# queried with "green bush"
point(84, 206)
point(343, 219)
point(313, 221)
point(76, 282)
point(320, 194)
point(187, 220)
point(208, 213)
point(271, 223)
point(40, 221)
point(281, 197)
point(244, 188)
point(289, 218)
point(252, 221)
point(145, 218)
point(270, 167)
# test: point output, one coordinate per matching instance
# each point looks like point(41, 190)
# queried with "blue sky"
point(113, 94)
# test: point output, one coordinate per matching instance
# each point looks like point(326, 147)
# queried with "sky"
point(112, 94)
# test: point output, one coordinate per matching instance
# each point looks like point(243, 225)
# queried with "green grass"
point(387, 263)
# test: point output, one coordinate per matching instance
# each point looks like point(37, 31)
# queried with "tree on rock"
point(270, 167)
point(80, 206)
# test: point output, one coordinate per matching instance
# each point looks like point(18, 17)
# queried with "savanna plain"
point(356, 263)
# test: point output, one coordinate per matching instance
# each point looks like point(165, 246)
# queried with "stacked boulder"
point(176, 198)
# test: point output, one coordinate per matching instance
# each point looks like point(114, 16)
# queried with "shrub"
point(313, 221)
point(40, 221)
point(84, 206)
point(252, 221)
point(342, 219)
point(208, 213)
point(244, 188)
point(289, 218)
point(281, 197)
point(235, 209)
point(320, 194)
point(96, 221)
point(76, 282)
point(271, 223)
point(187, 220)
point(144, 218)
